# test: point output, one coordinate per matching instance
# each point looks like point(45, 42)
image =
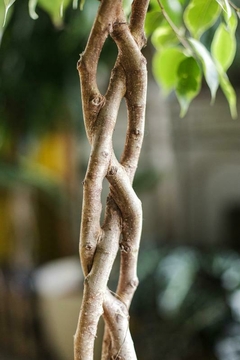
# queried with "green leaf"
point(8, 4)
point(165, 67)
point(183, 2)
point(127, 5)
point(82, 2)
point(154, 5)
point(31, 8)
point(229, 92)
point(54, 8)
point(164, 36)
point(225, 6)
point(189, 83)
point(153, 20)
point(200, 15)
point(231, 21)
point(173, 9)
point(75, 4)
point(209, 67)
point(223, 47)
point(2, 11)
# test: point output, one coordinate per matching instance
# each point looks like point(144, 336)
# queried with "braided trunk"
point(121, 229)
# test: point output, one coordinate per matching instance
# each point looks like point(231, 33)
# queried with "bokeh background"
point(187, 306)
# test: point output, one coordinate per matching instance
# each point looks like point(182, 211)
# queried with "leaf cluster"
point(39, 88)
point(177, 29)
point(55, 9)
point(182, 58)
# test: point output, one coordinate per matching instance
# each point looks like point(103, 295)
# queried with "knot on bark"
point(125, 247)
point(105, 153)
point(79, 61)
point(117, 24)
point(112, 171)
point(116, 30)
point(88, 246)
point(136, 132)
point(134, 283)
point(110, 28)
point(97, 102)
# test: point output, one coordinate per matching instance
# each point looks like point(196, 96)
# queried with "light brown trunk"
point(123, 214)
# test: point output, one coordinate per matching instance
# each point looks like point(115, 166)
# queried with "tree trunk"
point(122, 224)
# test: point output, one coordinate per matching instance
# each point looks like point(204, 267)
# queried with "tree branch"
point(99, 245)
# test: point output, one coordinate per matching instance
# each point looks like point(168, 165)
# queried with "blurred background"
point(187, 306)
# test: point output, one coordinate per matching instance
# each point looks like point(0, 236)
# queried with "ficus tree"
point(180, 31)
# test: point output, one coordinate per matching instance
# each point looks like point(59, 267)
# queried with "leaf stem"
point(237, 9)
point(180, 37)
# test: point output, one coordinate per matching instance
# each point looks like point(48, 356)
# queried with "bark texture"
point(122, 224)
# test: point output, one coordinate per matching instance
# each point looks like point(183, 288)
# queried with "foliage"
point(181, 61)
point(177, 30)
point(182, 56)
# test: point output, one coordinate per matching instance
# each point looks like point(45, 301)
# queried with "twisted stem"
point(123, 213)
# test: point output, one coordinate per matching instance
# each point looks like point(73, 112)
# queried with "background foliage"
point(194, 45)
point(194, 41)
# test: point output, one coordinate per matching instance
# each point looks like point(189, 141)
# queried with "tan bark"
point(123, 215)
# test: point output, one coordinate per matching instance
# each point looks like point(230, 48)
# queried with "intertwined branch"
point(123, 214)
